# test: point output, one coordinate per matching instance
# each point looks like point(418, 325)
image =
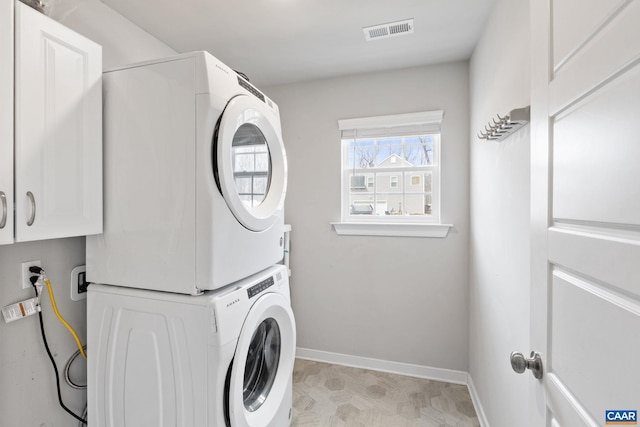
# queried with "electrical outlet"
point(79, 283)
point(26, 274)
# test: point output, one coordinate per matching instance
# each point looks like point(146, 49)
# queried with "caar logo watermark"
point(621, 417)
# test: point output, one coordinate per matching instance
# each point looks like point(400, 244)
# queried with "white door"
point(58, 129)
point(262, 366)
point(586, 211)
point(6, 121)
point(250, 162)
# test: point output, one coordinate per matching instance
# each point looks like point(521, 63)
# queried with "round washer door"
point(251, 162)
point(263, 363)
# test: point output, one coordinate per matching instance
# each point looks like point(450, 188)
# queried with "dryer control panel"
point(242, 82)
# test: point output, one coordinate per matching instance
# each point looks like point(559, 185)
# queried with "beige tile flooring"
point(326, 395)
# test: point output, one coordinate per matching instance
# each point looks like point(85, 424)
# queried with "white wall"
point(122, 41)
point(499, 246)
point(390, 298)
point(27, 392)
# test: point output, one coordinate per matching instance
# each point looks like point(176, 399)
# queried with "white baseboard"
point(475, 398)
point(419, 371)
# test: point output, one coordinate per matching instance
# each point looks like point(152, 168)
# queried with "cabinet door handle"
point(3, 198)
point(33, 208)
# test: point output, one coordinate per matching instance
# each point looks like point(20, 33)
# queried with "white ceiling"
point(284, 41)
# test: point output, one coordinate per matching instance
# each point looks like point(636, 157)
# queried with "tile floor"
point(327, 395)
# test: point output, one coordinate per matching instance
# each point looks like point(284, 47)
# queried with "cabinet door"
point(58, 129)
point(6, 122)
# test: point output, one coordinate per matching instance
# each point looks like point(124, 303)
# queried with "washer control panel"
point(256, 289)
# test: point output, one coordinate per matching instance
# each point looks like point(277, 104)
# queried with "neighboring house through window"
point(391, 168)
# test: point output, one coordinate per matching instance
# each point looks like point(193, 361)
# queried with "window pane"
point(388, 183)
point(413, 182)
point(390, 150)
point(427, 204)
point(390, 176)
point(419, 150)
point(361, 206)
point(357, 183)
point(395, 204)
point(415, 204)
point(427, 182)
point(417, 182)
point(361, 152)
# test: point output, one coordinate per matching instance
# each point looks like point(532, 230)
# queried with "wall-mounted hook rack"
point(505, 126)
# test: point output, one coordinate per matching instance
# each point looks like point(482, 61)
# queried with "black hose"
point(53, 363)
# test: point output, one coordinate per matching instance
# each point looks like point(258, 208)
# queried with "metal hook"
point(499, 127)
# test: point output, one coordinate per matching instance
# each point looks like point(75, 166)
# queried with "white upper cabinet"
point(6, 122)
point(58, 129)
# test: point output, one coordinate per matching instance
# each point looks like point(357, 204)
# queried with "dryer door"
point(250, 162)
point(261, 374)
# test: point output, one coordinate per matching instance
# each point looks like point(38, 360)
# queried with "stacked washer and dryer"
point(189, 315)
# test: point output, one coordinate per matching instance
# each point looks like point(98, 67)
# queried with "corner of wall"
point(477, 403)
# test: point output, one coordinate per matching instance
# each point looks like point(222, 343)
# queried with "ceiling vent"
point(392, 29)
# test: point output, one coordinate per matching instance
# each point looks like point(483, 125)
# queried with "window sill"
point(391, 229)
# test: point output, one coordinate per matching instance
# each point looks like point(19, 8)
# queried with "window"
point(396, 160)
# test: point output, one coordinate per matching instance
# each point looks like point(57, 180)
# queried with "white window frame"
point(420, 123)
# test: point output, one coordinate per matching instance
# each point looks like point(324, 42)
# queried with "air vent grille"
point(392, 29)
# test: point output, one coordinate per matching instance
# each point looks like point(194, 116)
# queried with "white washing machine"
point(195, 176)
point(221, 359)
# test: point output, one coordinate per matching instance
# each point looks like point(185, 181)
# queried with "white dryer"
point(195, 177)
point(224, 358)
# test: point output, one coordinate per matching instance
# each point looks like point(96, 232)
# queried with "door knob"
point(519, 363)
